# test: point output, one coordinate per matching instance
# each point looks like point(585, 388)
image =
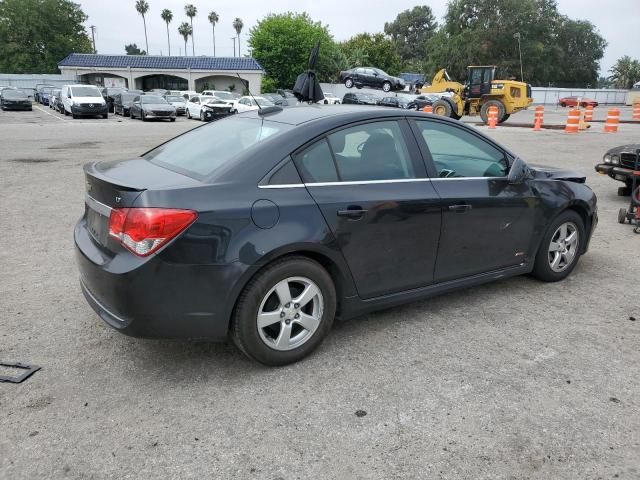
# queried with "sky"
point(120, 24)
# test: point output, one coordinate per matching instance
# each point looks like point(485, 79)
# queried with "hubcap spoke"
point(572, 238)
point(284, 292)
point(308, 322)
point(284, 337)
point(266, 319)
point(563, 232)
point(307, 295)
point(556, 260)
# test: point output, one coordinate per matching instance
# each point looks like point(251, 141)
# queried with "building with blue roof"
point(146, 72)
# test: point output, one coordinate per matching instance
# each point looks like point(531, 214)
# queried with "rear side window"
point(202, 151)
point(316, 164)
point(372, 151)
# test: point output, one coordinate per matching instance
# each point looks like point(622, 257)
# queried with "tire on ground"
point(244, 331)
point(443, 108)
point(541, 269)
point(484, 111)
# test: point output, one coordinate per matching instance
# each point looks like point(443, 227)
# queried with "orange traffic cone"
point(588, 114)
point(613, 119)
point(492, 116)
point(539, 118)
point(573, 121)
point(636, 110)
point(427, 109)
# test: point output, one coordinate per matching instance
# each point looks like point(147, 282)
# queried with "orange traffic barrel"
point(427, 109)
point(636, 110)
point(539, 118)
point(588, 114)
point(492, 116)
point(573, 121)
point(613, 120)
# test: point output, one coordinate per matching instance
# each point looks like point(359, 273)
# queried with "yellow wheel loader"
point(479, 93)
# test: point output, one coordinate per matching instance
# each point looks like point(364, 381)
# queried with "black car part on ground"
point(25, 372)
point(188, 240)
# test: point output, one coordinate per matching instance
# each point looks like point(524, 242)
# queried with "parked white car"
point(207, 108)
point(246, 104)
point(329, 99)
point(83, 100)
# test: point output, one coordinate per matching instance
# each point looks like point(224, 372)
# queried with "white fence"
point(30, 80)
point(550, 96)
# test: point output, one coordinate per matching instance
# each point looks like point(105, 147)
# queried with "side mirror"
point(518, 171)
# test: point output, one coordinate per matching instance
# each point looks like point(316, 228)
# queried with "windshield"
point(152, 99)
point(14, 93)
point(204, 150)
point(85, 92)
point(174, 98)
point(224, 95)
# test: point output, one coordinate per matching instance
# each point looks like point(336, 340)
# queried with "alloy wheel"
point(290, 313)
point(563, 247)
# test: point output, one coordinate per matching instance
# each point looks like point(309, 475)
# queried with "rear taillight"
point(144, 230)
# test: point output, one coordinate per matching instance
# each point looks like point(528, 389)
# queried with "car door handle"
point(461, 208)
point(352, 212)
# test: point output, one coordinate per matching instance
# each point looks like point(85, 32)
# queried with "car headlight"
point(615, 159)
point(607, 158)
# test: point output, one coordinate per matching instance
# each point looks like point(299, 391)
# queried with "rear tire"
point(553, 246)
point(622, 215)
point(484, 110)
point(348, 83)
point(386, 87)
point(275, 343)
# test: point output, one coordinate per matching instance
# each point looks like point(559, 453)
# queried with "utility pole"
point(517, 35)
point(93, 37)
point(234, 45)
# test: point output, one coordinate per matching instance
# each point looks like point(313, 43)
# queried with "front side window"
point(457, 153)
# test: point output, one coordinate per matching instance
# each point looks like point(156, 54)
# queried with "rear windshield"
point(173, 98)
point(152, 99)
point(85, 92)
point(14, 93)
point(224, 95)
point(200, 152)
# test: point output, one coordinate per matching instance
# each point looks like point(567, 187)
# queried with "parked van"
point(83, 100)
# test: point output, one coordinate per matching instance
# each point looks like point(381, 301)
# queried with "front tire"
point(188, 114)
point(284, 312)
point(560, 248)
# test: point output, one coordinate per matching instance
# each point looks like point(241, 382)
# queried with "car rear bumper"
point(154, 297)
point(21, 106)
point(614, 171)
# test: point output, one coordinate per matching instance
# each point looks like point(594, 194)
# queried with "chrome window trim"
point(373, 182)
point(99, 207)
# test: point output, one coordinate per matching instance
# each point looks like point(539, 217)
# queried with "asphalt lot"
point(512, 380)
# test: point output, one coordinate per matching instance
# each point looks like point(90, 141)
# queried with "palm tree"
point(142, 6)
point(213, 18)
point(191, 12)
point(185, 30)
point(167, 16)
point(237, 25)
point(625, 72)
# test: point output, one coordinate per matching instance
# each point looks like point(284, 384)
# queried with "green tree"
point(185, 30)
point(282, 44)
point(191, 11)
point(625, 72)
point(410, 32)
point(554, 48)
point(238, 25)
point(132, 49)
point(167, 16)
point(375, 50)
point(31, 43)
point(213, 19)
point(142, 7)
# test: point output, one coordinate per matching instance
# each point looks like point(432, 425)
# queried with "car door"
point(194, 106)
point(371, 187)
point(136, 108)
point(487, 222)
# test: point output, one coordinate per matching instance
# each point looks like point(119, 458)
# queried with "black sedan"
point(15, 99)
point(152, 107)
point(370, 77)
point(394, 102)
point(360, 99)
point(265, 226)
point(620, 163)
point(421, 101)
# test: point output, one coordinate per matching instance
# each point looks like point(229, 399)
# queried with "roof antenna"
point(261, 111)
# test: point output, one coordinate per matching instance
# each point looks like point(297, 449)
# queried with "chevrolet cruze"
point(265, 226)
